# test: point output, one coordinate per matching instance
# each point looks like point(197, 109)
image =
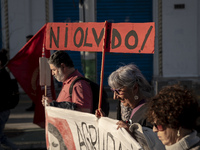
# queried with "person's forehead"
point(121, 88)
point(52, 66)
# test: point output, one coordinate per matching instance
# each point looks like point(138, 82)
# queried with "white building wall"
point(25, 17)
point(180, 35)
point(180, 39)
point(180, 32)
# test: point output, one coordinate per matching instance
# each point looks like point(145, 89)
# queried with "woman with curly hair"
point(173, 111)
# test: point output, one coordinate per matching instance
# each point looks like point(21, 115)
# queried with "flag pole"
point(106, 47)
point(45, 86)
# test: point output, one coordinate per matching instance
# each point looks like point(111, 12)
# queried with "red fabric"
point(60, 129)
point(25, 67)
point(81, 93)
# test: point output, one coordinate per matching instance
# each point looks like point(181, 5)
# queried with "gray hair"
point(127, 76)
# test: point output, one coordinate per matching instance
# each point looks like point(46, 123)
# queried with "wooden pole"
point(106, 47)
point(101, 78)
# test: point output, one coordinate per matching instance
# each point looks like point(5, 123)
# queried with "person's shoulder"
point(142, 110)
point(4, 71)
point(150, 139)
point(196, 146)
point(4, 74)
point(196, 140)
point(81, 82)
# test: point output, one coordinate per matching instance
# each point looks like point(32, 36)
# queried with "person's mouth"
point(122, 100)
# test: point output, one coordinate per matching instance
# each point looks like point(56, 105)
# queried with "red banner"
point(123, 37)
point(25, 67)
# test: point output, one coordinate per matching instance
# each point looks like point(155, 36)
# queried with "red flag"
point(25, 67)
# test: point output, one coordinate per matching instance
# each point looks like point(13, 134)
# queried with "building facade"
point(176, 42)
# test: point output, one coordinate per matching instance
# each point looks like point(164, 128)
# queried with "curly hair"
point(174, 107)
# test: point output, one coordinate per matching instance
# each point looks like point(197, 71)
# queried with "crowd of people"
point(171, 114)
point(163, 121)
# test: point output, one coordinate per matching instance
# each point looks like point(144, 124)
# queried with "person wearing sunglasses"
point(173, 112)
point(133, 91)
point(130, 87)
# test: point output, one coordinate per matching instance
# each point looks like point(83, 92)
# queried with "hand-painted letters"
point(124, 37)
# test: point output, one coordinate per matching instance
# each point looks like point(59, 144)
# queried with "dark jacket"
point(5, 88)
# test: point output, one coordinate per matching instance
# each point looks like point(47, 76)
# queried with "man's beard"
point(60, 76)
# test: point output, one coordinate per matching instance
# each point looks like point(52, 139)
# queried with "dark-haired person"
point(63, 70)
point(5, 93)
point(174, 112)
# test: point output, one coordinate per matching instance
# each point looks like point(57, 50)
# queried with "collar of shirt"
point(140, 104)
point(70, 77)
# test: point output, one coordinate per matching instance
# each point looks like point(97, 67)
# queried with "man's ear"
point(62, 65)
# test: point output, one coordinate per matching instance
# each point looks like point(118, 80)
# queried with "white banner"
point(74, 130)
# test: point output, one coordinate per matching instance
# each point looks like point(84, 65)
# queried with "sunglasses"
point(159, 127)
point(116, 91)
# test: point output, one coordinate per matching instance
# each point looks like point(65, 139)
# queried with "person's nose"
point(114, 95)
point(155, 129)
point(52, 72)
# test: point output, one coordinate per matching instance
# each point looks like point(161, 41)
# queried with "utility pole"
point(87, 13)
point(6, 27)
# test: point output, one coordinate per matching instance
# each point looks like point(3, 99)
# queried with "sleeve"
point(5, 83)
point(66, 105)
point(5, 90)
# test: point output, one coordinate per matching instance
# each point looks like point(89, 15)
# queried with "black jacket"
point(5, 89)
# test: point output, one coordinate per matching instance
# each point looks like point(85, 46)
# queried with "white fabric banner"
point(74, 130)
